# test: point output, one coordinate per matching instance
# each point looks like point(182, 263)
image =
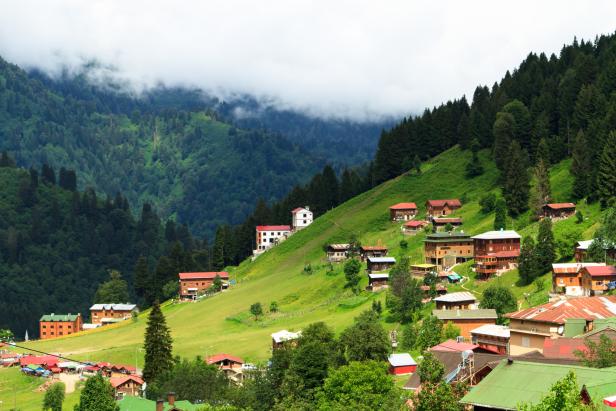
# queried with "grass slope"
point(223, 324)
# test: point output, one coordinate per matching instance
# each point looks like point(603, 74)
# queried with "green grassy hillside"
point(223, 323)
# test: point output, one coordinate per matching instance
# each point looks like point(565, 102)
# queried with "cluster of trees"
point(536, 257)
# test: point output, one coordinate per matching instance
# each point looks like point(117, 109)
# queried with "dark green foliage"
point(439, 396)
point(114, 291)
point(545, 249)
point(256, 310)
point(366, 339)
point(97, 395)
point(500, 216)
point(157, 345)
point(606, 176)
point(596, 252)
point(600, 354)
point(430, 333)
point(193, 380)
point(351, 272)
point(6, 335)
point(528, 266)
point(516, 185)
point(503, 136)
point(409, 336)
point(499, 298)
point(377, 307)
point(273, 308)
point(581, 166)
point(54, 397)
point(488, 203)
point(579, 217)
point(541, 193)
point(522, 122)
point(405, 295)
point(431, 370)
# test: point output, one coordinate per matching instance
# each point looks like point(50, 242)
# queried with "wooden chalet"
point(598, 279)
point(366, 251)
point(557, 211)
point(439, 223)
point(463, 300)
point(567, 278)
point(402, 211)
point(376, 264)
point(492, 337)
point(378, 281)
point(111, 313)
point(447, 249)
point(280, 338)
point(230, 365)
point(338, 252)
point(413, 227)
point(496, 252)
point(581, 249)
point(127, 385)
point(467, 320)
point(437, 208)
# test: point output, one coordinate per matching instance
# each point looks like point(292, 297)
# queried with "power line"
point(43, 352)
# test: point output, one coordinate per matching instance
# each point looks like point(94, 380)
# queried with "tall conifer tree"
point(581, 166)
point(545, 250)
point(517, 183)
point(503, 135)
point(158, 346)
point(606, 177)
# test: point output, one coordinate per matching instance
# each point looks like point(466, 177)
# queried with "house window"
point(304, 221)
point(525, 342)
point(305, 216)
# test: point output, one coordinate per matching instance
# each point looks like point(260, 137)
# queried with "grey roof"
point(381, 259)
point(378, 276)
point(401, 359)
point(456, 297)
point(115, 307)
point(497, 235)
point(445, 315)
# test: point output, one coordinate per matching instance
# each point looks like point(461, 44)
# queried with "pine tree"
point(417, 164)
point(97, 395)
point(545, 250)
point(606, 176)
point(503, 136)
point(143, 280)
point(48, 175)
point(463, 131)
point(218, 253)
point(542, 191)
point(500, 215)
point(527, 263)
point(581, 166)
point(517, 183)
point(157, 345)
point(522, 122)
point(543, 152)
point(474, 167)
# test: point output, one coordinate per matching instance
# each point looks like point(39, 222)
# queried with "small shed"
point(400, 364)
point(378, 281)
point(558, 210)
point(376, 264)
point(413, 226)
point(366, 251)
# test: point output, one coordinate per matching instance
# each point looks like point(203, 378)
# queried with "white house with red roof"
point(301, 217)
point(270, 235)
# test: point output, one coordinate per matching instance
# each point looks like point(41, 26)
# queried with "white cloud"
point(353, 59)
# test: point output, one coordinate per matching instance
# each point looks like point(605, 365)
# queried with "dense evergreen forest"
point(58, 244)
point(183, 161)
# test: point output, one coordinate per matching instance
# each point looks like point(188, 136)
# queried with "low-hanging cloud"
point(346, 59)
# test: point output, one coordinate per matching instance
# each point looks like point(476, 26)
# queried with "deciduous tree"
point(54, 397)
point(97, 395)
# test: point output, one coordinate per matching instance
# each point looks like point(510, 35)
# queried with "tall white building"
point(302, 217)
point(270, 235)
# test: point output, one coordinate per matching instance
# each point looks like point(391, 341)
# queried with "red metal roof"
point(451, 345)
point(404, 206)
point(441, 203)
point(298, 209)
point(447, 220)
point(205, 275)
point(558, 206)
point(600, 270)
point(563, 347)
point(273, 228)
point(221, 357)
point(118, 381)
point(588, 308)
point(415, 223)
point(46, 360)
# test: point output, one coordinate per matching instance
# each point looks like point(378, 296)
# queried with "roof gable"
point(204, 275)
point(404, 206)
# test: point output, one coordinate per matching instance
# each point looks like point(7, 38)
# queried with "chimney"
point(307, 208)
point(160, 404)
point(171, 398)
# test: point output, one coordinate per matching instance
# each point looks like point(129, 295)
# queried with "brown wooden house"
point(377, 264)
point(447, 249)
point(338, 252)
point(402, 211)
point(378, 281)
point(467, 320)
point(462, 300)
point(127, 385)
point(558, 211)
point(366, 251)
point(596, 279)
point(193, 284)
point(413, 227)
point(437, 208)
point(439, 223)
point(496, 251)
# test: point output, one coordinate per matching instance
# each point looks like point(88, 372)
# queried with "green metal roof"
point(511, 384)
point(447, 237)
point(141, 404)
point(574, 327)
point(59, 317)
point(446, 315)
point(602, 323)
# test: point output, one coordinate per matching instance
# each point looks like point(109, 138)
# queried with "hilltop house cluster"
point(267, 236)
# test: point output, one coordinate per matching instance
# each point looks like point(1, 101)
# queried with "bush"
point(404, 244)
point(487, 203)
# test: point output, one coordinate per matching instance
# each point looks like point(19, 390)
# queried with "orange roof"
point(558, 206)
point(588, 308)
point(204, 275)
point(451, 345)
point(600, 270)
point(441, 203)
point(273, 228)
point(118, 381)
point(415, 223)
point(221, 357)
point(404, 206)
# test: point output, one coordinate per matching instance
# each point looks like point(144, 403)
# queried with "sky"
point(358, 60)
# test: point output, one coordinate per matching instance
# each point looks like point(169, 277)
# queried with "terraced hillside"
point(223, 322)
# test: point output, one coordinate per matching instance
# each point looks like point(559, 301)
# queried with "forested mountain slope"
point(186, 163)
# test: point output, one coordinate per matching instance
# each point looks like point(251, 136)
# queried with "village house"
point(463, 300)
point(492, 337)
point(402, 211)
point(376, 264)
point(413, 227)
point(567, 278)
point(366, 251)
point(377, 281)
point(440, 289)
point(281, 337)
point(596, 280)
point(269, 236)
point(558, 211)
point(130, 403)
point(467, 320)
point(581, 248)
point(529, 328)
point(338, 252)
point(422, 270)
point(126, 385)
point(401, 364)
point(566, 347)
point(301, 217)
point(447, 249)
point(58, 325)
point(230, 365)
point(111, 313)
point(439, 223)
point(496, 252)
point(194, 284)
point(437, 208)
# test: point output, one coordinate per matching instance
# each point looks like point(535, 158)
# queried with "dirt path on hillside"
point(69, 380)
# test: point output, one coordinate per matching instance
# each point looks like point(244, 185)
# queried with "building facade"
point(338, 252)
point(437, 208)
point(462, 300)
point(59, 325)
point(496, 252)
point(111, 313)
point(376, 264)
point(439, 223)
point(301, 217)
point(413, 227)
point(366, 251)
point(597, 280)
point(567, 278)
point(403, 211)
point(270, 235)
point(193, 284)
point(447, 249)
point(466, 320)
point(492, 337)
